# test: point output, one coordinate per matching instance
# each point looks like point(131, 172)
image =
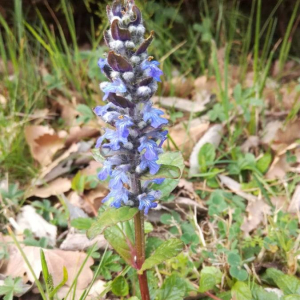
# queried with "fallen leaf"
point(279, 168)
point(78, 133)
point(28, 218)
point(270, 132)
point(251, 142)
point(256, 214)
point(79, 242)
point(96, 290)
point(213, 136)
point(184, 138)
point(295, 202)
point(53, 188)
point(235, 187)
point(56, 260)
point(44, 142)
point(182, 104)
point(179, 86)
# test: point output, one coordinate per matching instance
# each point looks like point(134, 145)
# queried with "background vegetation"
point(237, 206)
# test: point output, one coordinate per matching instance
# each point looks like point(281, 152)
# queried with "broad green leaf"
point(234, 259)
point(166, 187)
point(241, 291)
point(287, 283)
point(166, 250)
point(82, 223)
point(173, 288)
point(259, 293)
point(172, 158)
point(165, 171)
point(120, 243)
point(109, 217)
point(97, 155)
point(264, 162)
point(120, 286)
point(291, 297)
point(133, 298)
point(209, 278)
point(238, 272)
point(206, 156)
point(13, 286)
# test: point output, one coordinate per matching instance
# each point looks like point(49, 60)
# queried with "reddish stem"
point(212, 296)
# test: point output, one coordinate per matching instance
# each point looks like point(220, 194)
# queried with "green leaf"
point(287, 283)
point(172, 158)
point(165, 171)
point(120, 286)
point(234, 259)
point(166, 250)
point(166, 187)
point(259, 293)
point(209, 278)
point(133, 298)
point(206, 156)
point(241, 291)
point(120, 243)
point(109, 217)
point(97, 155)
point(12, 286)
point(173, 288)
point(82, 223)
point(264, 162)
point(291, 297)
point(238, 272)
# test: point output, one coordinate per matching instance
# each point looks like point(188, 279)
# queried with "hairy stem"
point(140, 242)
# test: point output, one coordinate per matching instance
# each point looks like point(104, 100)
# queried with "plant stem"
point(140, 241)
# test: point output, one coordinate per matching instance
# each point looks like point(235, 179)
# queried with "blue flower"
point(152, 69)
point(119, 197)
point(115, 138)
point(122, 124)
point(158, 136)
point(146, 202)
point(101, 63)
point(156, 181)
point(100, 111)
point(153, 114)
point(152, 150)
point(117, 86)
point(107, 167)
point(119, 177)
point(150, 164)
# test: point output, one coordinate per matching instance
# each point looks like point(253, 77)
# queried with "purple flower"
point(146, 202)
point(156, 181)
point(119, 177)
point(101, 63)
point(122, 124)
point(153, 114)
point(107, 167)
point(115, 138)
point(117, 86)
point(119, 197)
point(151, 165)
point(152, 150)
point(151, 69)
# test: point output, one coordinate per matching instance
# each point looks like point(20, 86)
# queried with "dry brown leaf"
point(78, 133)
point(251, 142)
point(67, 111)
point(180, 86)
point(28, 218)
point(213, 136)
point(92, 168)
point(185, 139)
point(79, 242)
point(56, 260)
point(289, 133)
point(98, 288)
point(256, 214)
point(44, 142)
point(53, 188)
point(295, 202)
point(235, 187)
point(181, 104)
point(279, 168)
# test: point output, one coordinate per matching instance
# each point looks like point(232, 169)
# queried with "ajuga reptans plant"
point(134, 144)
point(133, 139)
